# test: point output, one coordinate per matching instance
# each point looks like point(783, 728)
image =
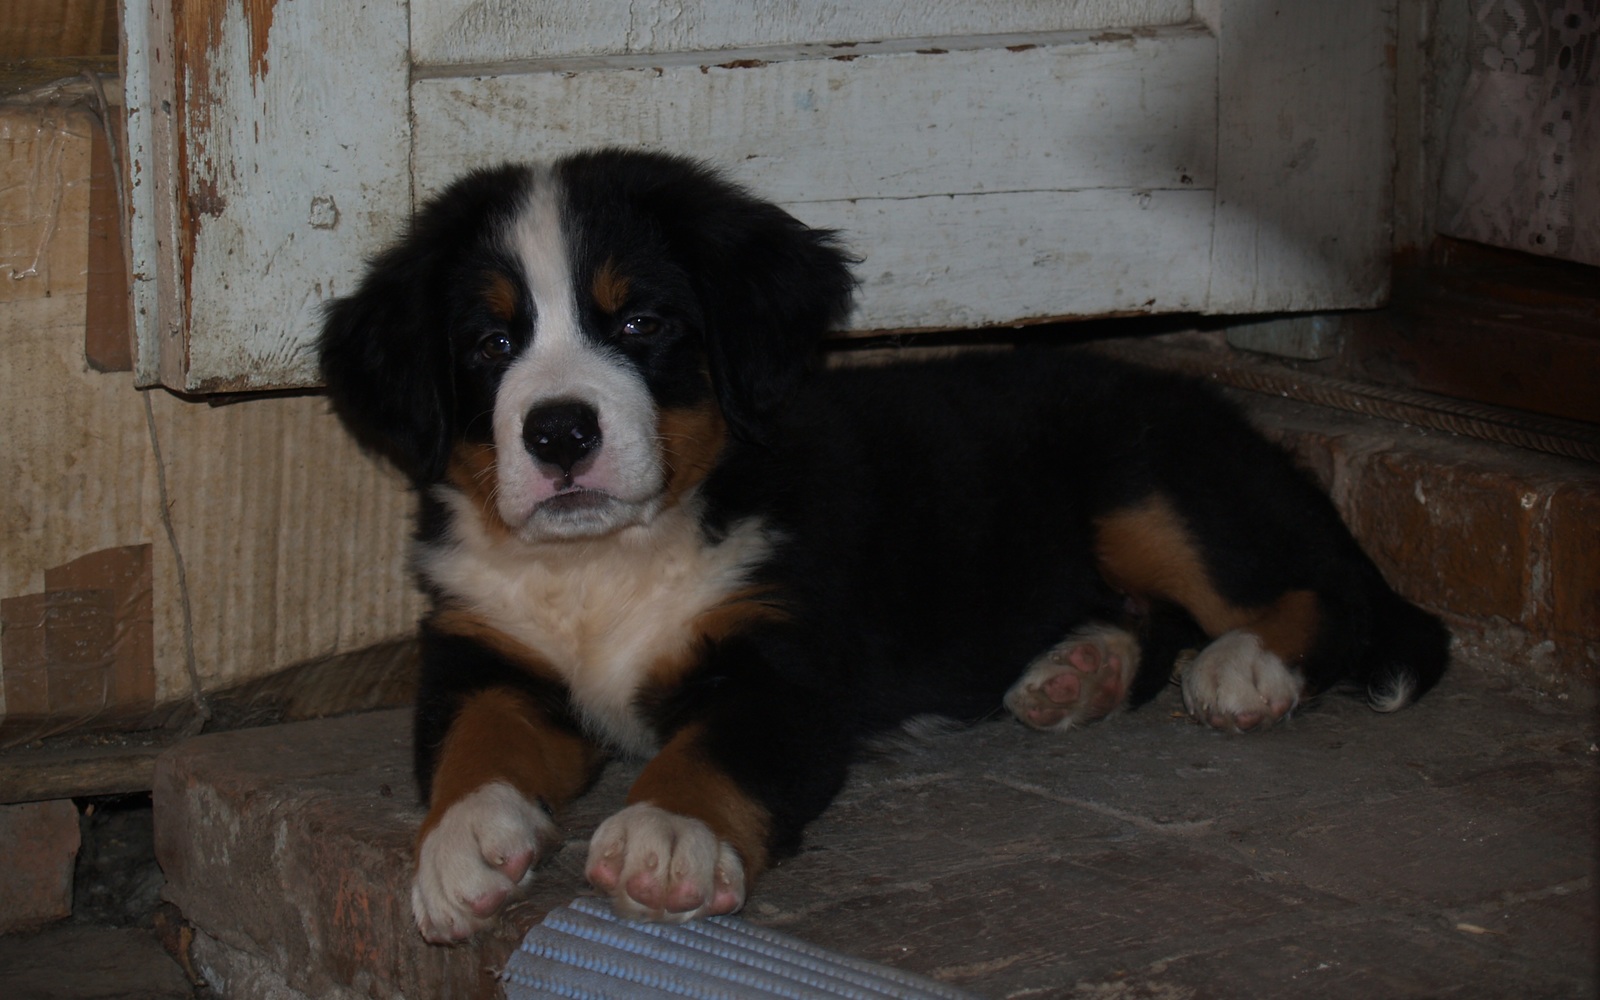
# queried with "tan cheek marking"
point(692, 440)
point(683, 780)
point(503, 735)
point(1147, 551)
point(610, 288)
point(472, 470)
point(500, 295)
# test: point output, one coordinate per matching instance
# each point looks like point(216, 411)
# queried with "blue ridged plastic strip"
point(585, 952)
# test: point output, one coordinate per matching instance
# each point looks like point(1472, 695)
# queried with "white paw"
point(1234, 684)
point(1083, 678)
point(483, 848)
point(658, 865)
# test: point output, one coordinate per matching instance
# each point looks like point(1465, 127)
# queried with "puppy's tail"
point(1407, 653)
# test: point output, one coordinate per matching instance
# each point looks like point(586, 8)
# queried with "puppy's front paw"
point(658, 865)
point(479, 852)
point(1235, 684)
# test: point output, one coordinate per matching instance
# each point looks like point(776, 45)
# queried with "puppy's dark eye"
point(495, 347)
point(641, 326)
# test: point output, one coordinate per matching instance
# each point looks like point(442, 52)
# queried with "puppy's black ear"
point(385, 363)
point(784, 286)
point(385, 351)
point(769, 286)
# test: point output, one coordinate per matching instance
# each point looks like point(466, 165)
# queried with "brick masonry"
point(289, 847)
point(41, 843)
point(1505, 544)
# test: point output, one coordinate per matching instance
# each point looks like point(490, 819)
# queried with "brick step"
point(290, 848)
point(1409, 855)
point(1503, 543)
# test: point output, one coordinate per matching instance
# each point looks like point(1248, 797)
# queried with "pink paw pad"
point(1083, 679)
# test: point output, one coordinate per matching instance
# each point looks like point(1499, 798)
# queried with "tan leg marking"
point(502, 765)
point(503, 735)
point(682, 779)
point(1147, 550)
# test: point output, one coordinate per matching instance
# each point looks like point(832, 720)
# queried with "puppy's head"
point(571, 344)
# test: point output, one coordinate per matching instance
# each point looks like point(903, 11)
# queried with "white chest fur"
point(601, 611)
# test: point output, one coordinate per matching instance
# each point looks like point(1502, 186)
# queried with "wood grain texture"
point(279, 143)
point(1106, 157)
point(1059, 112)
point(1305, 156)
point(469, 31)
point(980, 260)
point(62, 773)
point(981, 185)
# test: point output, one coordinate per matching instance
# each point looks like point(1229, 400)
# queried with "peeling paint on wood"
point(271, 144)
point(485, 31)
point(989, 182)
point(273, 148)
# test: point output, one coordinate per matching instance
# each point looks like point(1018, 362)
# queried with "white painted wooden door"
point(993, 161)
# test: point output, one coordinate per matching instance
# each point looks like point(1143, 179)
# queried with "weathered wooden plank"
point(70, 772)
point(1305, 149)
point(483, 31)
point(982, 185)
point(280, 139)
point(1061, 112)
point(980, 260)
point(33, 29)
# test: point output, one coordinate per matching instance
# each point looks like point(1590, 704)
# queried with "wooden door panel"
point(1052, 112)
point(494, 32)
point(270, 152)
point(1023, 256)
point(1235, 162)
point(994, 180)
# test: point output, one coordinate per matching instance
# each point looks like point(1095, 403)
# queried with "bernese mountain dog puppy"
point(650, 525)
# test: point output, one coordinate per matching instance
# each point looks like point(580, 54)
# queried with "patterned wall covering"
point(1523, 165)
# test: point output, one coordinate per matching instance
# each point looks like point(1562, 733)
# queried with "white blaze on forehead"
point(561, 364)
point(539, 242)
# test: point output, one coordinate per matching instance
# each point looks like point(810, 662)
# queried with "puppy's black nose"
point(562, 434)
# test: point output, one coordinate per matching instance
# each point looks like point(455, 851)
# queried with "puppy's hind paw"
point(1236, 685)
point(1083, 678)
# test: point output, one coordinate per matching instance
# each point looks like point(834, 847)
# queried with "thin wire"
point(102, 113)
